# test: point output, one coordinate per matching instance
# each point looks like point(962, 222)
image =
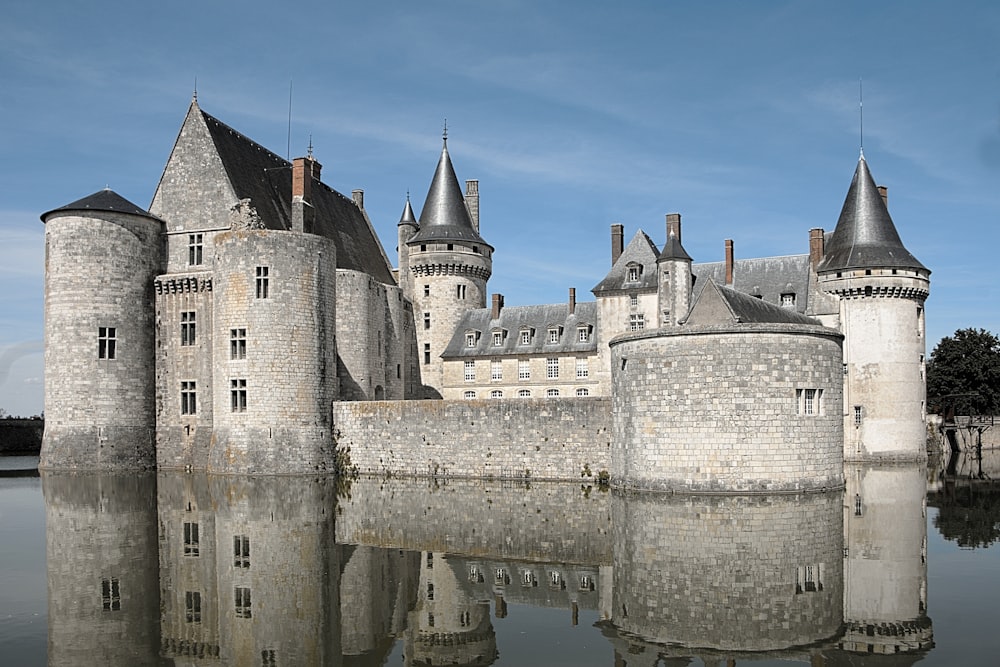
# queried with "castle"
point(219, 329)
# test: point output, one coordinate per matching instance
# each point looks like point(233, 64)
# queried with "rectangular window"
point(582, 369)
point(496, 393)
point(238, 395)
point(242, 595)
point(552, 393)
point(192, 606)
point(633, 300)
point(241, 551)
point(427, 290)
point(427, 353)
point(189, 398)
point(460, 291)
point(268, 658)
point(111, 595)
point(237, 343)
point(787, 300)
point(107, 342)
point(188, 327)
point(523, 369)
point(583, 334)
point(263, 276)
point(469, 395)
point(430, 591)
point(427, 320)
point(636, 322)
point(524, 393)
point(553, 335)
point(470, 339)
point(583, 391)
point(496, 370)
point(551, 368)
point(195, 246)
point(191, 543)
point(808, 401)
point(470, 371)
point(858, 415)
point(497, 338)
point(526, 337)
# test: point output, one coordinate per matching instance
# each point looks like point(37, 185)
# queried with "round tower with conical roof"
point(674, 280)
point(101, 255)
point(448, 265)
point(882, 289)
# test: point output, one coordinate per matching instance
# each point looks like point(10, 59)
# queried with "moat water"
point(903, 567)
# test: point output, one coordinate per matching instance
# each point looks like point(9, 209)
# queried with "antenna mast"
point(861, 113)
point(288, 146)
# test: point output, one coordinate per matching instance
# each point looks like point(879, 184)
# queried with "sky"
point(744, 117)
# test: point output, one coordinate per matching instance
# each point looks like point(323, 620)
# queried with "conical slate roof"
point(673, 249)
point(103, 200)
point(445, 216)
point(408, 218)
point(865, 236)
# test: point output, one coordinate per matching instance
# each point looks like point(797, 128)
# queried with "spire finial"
point(445, 135)
point(861, 114)
point(310, 150)
point(407, 195)
point(194, 97)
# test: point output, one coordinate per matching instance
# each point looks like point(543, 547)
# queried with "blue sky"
point(741, 116)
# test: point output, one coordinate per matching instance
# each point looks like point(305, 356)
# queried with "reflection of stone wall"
point(546, 522)
point(101, 551)
point(738, 574)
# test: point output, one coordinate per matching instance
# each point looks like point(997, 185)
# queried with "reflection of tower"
point(249, 570)
point(102, 569)
point(885, 575)
point(447, 626)
point(725, 576)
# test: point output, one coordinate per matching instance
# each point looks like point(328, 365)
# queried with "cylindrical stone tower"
point(101, 255)
point(882, 289)
point(450, 264)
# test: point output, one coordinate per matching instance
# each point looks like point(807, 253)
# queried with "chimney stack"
point(884, 191)
point(817, 246)
point(617, 242)
point(729, 262)
point(472, 201)
point(304, 171)
point(497, 306)
point(674, 225)
point(359, 198)
point(572, 300)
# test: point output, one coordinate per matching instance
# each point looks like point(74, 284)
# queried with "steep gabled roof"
point(445, 217)
point(640, 250)
point(718, 305)
point(103, 200)
point(515, 318)
point(767, 277)
point(865, 236)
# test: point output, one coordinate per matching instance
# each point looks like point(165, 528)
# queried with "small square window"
point(636, 322)
point(788, 300)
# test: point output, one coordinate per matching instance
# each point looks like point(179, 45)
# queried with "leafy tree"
point(963, 373)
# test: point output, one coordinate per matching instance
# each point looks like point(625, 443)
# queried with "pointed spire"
point(445, 217)
point(865, 236)
point(408, 218)
point(673, 249)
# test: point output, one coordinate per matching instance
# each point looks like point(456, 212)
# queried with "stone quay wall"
point(748, 408)
point(545, 439)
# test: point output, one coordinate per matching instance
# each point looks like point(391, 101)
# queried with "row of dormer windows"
point(553, 336)
point(526, 393)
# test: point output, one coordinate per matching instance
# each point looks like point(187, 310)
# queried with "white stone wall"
point(613, 313)
point(718, 409)
point(456, 386)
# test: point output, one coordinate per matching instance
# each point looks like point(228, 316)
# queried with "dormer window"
point(553, 335)
point(788, 300)
point(471, 338)
point(497, 338)
point(583, 334)
point(632, 272)
point(525, 336)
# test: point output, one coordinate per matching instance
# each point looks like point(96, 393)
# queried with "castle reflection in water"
point(192, 570)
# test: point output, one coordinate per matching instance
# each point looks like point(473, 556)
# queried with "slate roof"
point(673, 249)
point(769, 277)
point(266, 179)
point(640, 250)
point(515, 318)
point(745, 309)
point(102, 200)
point(408, 218)
point(865, 236)
point(445, 217)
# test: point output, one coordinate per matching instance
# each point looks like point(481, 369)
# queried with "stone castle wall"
point(721, 409)
point(518, 438)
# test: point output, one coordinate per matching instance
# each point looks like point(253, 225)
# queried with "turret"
point(405, 230)
point(882, 289)
point(101, 255)
point(449, 265)
point(674, 281)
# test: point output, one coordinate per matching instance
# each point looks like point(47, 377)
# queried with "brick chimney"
point(817, 246)
point(472, 201)
point(497, 306)
point(304, 171)
point(884, 191)
point(617, 242)
point(729, 262)
point(572, 300)
point(674, 225)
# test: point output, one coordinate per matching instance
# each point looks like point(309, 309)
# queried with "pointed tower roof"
point(408, 218)
point(865, 236)
point(673, 249)
point(106, 200)
point(445, 216)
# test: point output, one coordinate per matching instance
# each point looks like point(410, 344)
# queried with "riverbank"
point(21, 436)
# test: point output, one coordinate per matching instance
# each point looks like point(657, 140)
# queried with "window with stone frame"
point(263, 281)
point(470, 371)
point(189, 397)
point(427, 320)
point(582, 368)
point(496, 370)
point(553, 335)
point(583, 334)
point(237, 344)
point(636, 322)
point(460, 292)
point(808, 401)
point(525, 336)
point(858, 415)
point(111, 594)
point(188, 331)
point(238, 395)
point(552, 368)
point(788, 300)
point(496, 393)
point(523, 369)
point(524, 393)
point(633, 300)
point(471, 338)
point(497, 338)
point(469, 395)
point(192, 545)
point(632, 272)
point(427, 353)
point(552, 393)
point(427, 290)
point(242, 594)
point(195, 249)
point(192, 606)
point(582, 391)
point(241, 551)
point(107, 342)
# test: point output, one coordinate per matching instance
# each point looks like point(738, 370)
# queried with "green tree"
point(963, 373)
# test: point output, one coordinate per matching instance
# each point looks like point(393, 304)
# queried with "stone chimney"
point(617, 242)
point(497, 306)
point(572, 300)
point(884, 191)
point(817, 246)
point(674, 225)
point(304, 171)
point(472, 201)
point(359, 198)
point(729, 262)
